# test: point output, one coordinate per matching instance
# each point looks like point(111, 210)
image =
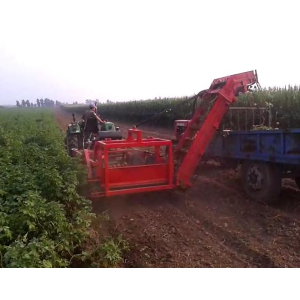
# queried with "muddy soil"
point(211, 224)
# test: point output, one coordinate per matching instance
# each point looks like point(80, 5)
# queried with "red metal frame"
point(127, 179)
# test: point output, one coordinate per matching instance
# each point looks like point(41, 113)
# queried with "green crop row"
point(283, 102)
point(44, 222)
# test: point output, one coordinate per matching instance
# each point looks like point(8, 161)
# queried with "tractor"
point(76, 140)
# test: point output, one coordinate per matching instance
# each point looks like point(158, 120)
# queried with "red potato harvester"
point(137, 164)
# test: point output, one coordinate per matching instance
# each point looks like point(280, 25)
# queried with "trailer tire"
point(261, 181)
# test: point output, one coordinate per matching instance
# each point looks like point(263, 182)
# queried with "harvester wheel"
point(261, 181)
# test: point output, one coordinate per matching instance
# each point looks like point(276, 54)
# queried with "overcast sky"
point(124, 50)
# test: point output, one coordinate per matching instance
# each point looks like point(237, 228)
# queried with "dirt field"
point(210, 225)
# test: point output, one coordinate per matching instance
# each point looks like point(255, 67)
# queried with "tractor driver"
point(91, 120)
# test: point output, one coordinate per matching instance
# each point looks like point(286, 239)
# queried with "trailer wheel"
point(261, 181)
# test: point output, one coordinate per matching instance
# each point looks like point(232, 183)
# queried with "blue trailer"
point(266, 157)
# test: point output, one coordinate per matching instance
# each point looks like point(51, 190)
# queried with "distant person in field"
point(91, 120)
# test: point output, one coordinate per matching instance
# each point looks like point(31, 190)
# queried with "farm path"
point(210, 225)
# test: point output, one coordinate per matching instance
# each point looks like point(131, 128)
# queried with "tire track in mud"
point(227, 240)
point(177, 237)
point(250, 234)
point(176, 240)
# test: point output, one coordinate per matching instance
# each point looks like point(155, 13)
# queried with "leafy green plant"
point(108, 253)
point(43, 219)
point(111, 251)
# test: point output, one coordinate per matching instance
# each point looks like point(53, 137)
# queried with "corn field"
point(284, 105)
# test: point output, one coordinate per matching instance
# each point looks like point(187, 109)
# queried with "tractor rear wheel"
point(261, 181)
point(73, 141)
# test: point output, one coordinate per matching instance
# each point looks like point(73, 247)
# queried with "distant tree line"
point(51, 103)
point(39, 103)
point(97, 101)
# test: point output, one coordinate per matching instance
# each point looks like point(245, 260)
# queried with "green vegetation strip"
point(44, 222)
point(284, 103)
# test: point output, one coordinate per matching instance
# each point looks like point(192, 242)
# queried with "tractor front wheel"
point(261, 181)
